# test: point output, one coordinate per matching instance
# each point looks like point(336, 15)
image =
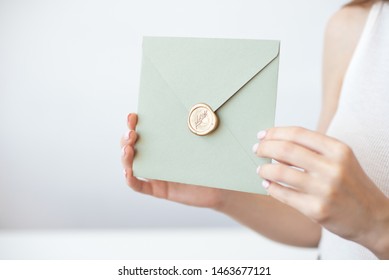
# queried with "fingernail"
point(258, 169)
point(124, 151)
point(261, 134)
point(127, 134)
point(255, 148)
point(265, 184)
point(125, 172)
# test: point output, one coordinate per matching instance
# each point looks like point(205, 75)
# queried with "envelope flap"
point(208, 70)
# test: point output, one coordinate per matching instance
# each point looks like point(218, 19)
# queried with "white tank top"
point(362, 119)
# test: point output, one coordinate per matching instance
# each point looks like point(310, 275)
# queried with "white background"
point(69, 74)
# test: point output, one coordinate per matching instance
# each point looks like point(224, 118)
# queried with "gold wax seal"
point(202, 120)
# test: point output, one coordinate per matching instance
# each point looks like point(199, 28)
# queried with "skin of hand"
point(321, 177)
point(186, 194)
point(246, 208)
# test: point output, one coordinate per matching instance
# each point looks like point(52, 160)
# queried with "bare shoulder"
point(346, 25)
point(343, 32)
point(341, 38)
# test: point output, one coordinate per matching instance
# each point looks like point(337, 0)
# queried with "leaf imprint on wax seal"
point(202, 120)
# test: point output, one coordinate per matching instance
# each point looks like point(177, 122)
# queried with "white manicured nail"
point(258, 169)
point(261, 134)
point(255, 148)
point(265, 184)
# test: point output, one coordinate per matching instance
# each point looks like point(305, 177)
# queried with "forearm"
point(377, 240)
point(382, 247)
point(272, 219)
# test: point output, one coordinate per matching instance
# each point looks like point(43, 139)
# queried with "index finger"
point(312, 140)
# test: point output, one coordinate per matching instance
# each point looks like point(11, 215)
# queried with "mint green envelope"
point(237, 79)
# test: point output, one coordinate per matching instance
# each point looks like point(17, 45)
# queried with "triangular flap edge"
point(216, 100)
point(263, 66)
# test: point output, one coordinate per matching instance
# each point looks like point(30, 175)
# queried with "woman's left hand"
point(328, 185)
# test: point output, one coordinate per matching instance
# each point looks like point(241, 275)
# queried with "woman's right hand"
point(177, 192)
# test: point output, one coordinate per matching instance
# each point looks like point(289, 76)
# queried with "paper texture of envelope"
point(236, 79)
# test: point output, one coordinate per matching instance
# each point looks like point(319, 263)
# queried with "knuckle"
point(270, 132)
point(280, 195)
point(297, 131)
point(343, 152)
point(331, 195)
point(130, 152)
point(268, 171)
point(133, 138)
point(137, 190)
point(133, 185)
point(127, 154)
point(279, 173)
point(263, 172)
point(262, 148)
point(286, 148)
point(321, 212)
point(336, 176)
